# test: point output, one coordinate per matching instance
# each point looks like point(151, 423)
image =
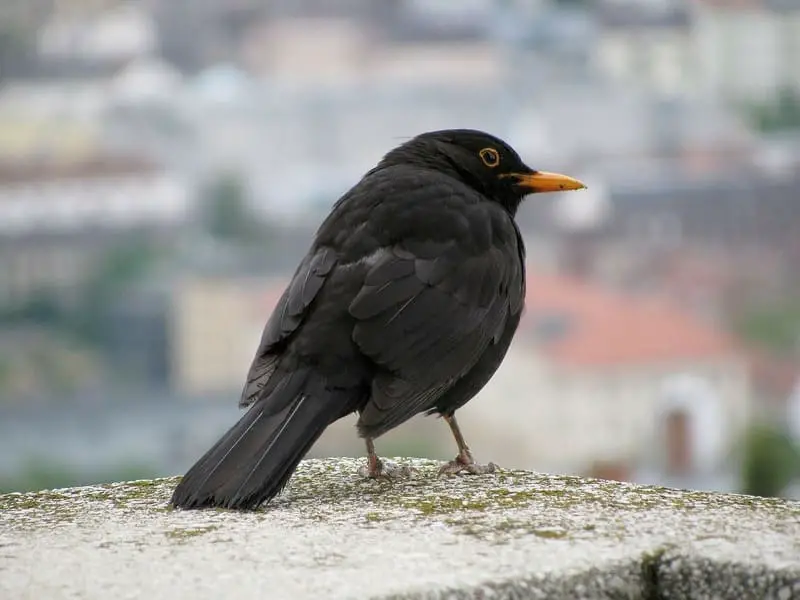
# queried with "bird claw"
point(385, 469)
point(469, 466)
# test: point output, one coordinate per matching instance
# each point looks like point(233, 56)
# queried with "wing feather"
point(426, 320)
point(291, 310)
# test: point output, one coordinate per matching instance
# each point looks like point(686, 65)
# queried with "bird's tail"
point(253, 461)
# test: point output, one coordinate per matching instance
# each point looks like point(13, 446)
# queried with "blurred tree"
point(774, 326)
point(39, 474)
point(780, 115)
point(123, 265)
point(16, 49)
point(770, 461)
point(38, 363)
point(41, 308)
point(6, 370)
point(227, 214)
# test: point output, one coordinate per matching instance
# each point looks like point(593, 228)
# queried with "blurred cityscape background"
point(164, 164)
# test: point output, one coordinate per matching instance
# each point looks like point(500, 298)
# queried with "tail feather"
point(254, 460)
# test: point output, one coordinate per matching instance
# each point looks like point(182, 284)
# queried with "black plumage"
point(406, 302)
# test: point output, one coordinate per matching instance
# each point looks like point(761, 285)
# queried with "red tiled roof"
point(609, 328)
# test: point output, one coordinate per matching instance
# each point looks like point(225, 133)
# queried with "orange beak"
point(542, 181)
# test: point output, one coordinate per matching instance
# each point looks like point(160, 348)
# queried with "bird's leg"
point(464, 461)
point(377, 468)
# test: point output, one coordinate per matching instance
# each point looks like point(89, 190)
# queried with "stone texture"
point(334, 535)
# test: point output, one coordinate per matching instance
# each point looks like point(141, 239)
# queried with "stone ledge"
point(333, 535)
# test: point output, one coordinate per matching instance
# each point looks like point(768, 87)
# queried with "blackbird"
point(406, 302)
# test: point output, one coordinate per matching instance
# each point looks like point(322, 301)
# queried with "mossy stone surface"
point(333, 534)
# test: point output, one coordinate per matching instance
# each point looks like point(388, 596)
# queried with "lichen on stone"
point(512, 530)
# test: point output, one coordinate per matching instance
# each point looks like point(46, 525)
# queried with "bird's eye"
point(490, 157)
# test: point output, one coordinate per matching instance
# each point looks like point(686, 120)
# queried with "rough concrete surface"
point(332, 534)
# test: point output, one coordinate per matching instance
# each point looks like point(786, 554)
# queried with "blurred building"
point(89, 36)
point(747, 51)
point(143, 81)
point(215, 326)
point(744, 52)
point(614, 385)
point(57, 219)
point(48, 119)
point(647, 45)
point(715, 232)
point(742, 223)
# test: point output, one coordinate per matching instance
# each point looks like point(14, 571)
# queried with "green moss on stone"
point(330, 490)
point(182, 535)
point(375, 517)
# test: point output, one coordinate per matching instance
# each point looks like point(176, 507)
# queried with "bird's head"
point(482, 161)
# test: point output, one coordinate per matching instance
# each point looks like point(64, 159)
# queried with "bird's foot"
point(384, 469)
point(464, 463)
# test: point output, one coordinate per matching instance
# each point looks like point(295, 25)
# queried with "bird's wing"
point(425, 314)
point(289, 313)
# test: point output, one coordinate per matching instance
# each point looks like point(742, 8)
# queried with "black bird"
point(406, 302)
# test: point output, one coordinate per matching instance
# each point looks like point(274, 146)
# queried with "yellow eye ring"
point(490, 157)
